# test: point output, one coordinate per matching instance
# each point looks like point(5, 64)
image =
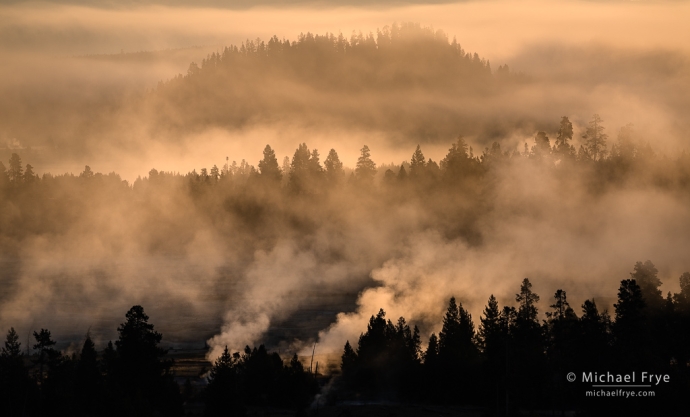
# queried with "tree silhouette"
point(334, 168)
point(348, 361)
point(89, 389)
point(12, 347)
point(417, 163)
point(15, 386)
point(595, 139)
point(632, 339)
point(458, 163)
point(268, 166)
point(594, 341)
point(47, 355)
point(542, 146)
point(458, 355)
point(223, 395)
point(528, 360)
point(139, 370)
point(565, 135)
point(29, 175)
point(15, 170)
point(366, 168)
point(645, 275)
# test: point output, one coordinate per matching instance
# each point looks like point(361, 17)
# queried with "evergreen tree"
point(417, 163)
point(626, 146)
point(402, 174)
point(15, 386)
point(594, 335)
point(456, 337)
point(268, 166)
point(458, 162)
point(490, 332)
point(561, 307)
point(215, 173)
point(140, 371)
point(542, 146)
point(223, 394)
point(431, 354)
point(89, 391)
point(29, 175)
point(47, 355)
point(562, 334)
point(12, 348)
point(334, 168)
point(595, 137)
point(87, 173)
point(315, 167)
point(299, 169)
point(458, 355)
point(493, 337)
point(366, 168)
point(527, 363)
point(15, 171)
point(527, 300)
point(629, 327)
point(565, 135)
point(645, 275)
point(348, 360)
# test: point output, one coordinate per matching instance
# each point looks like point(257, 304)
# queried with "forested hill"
point(397, 80)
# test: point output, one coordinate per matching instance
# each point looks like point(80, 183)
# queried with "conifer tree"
point(15, 171)
point(223, 392)
point(431, 354)
point(565, 135)
point(490, 330)
point(366, 168)
point(595, 137)
point(334, 168)
point(417, 163)
point(268, 166)
point(12, 347)
point(645, 275)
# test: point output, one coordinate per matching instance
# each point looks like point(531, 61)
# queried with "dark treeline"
point(130, 377)
point(512, 361)
point(309, 182)
point(133, 377)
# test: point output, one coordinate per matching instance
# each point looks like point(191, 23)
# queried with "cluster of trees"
point(257, 378)
point(515, 361)
point(251, 194)
point(305, 172)
point(133, 377)
point(305, 80)
point(390, 47)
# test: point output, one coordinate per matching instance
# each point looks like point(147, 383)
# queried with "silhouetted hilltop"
point(383, 81)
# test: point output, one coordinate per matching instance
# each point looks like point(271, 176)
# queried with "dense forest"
point(510, 363)
point(262, 82)
point(404, 81)
point(313, 284)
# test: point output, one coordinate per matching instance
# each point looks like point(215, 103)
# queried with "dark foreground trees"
point(512, 363)
point(131, 378)
point(516, 364)
point(137, 371)
point(257, 378)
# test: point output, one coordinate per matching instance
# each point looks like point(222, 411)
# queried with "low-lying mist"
point(228, 250)
point(227, 257)
point(75, 80)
